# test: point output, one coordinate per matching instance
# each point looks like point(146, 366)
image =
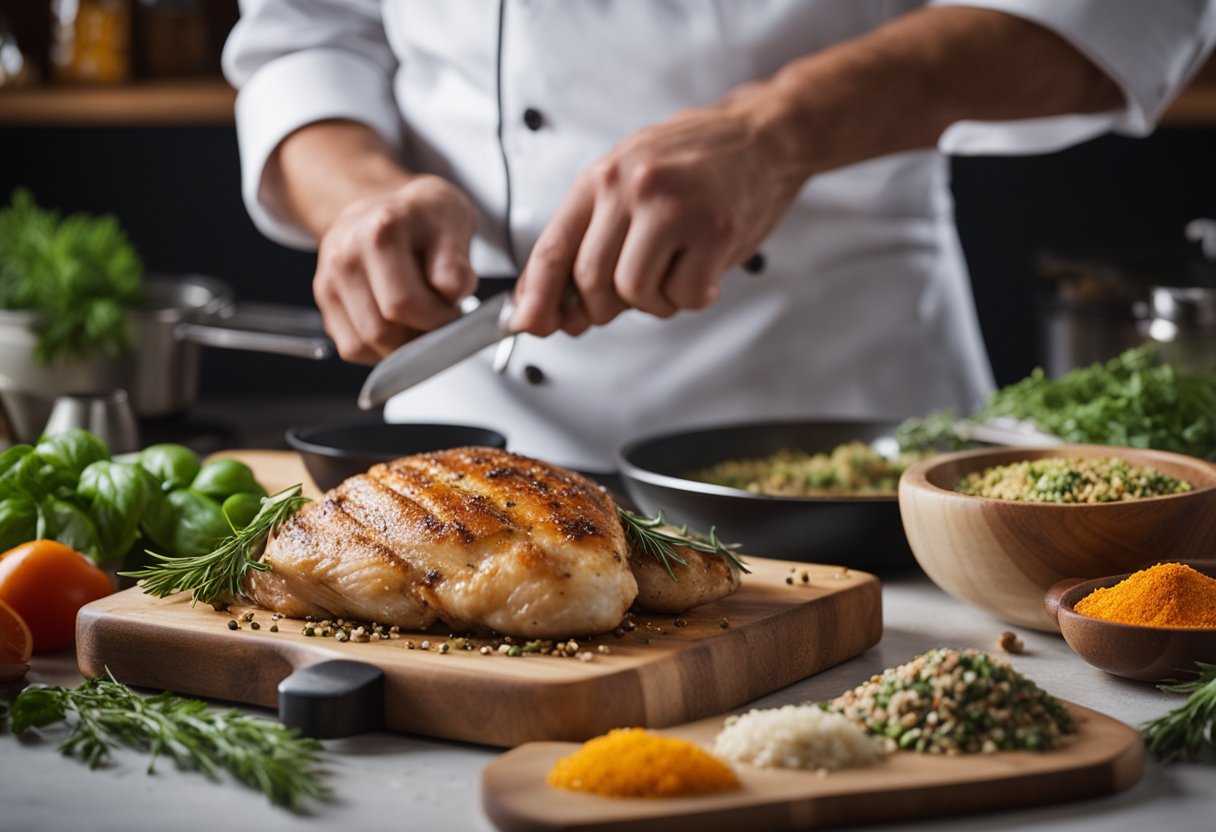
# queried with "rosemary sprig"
point(656, 537)
point(1187, 733)
point(103, 714)
point(219, 574)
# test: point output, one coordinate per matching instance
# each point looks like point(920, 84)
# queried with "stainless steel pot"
point(180, 315)
point(1094, 306)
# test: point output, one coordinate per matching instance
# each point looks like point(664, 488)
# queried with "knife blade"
point(435, 351)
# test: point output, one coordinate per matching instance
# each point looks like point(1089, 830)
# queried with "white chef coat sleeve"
point(296, 62)
point(1149, 49)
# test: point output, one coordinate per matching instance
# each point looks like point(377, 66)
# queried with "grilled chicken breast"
point(706, 578)
point(477, 538)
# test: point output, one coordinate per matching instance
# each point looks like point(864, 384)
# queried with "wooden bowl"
point(1002, 555)
point(1151, 654)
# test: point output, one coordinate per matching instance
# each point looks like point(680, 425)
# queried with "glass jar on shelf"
point(91, 41)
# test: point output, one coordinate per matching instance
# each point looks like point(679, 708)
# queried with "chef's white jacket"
point(862, 307)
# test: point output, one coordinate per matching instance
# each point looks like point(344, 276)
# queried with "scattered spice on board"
point(1071, 480)
point(797, 736)
point(951, 702)
point(1165, 595)
point(633, 762)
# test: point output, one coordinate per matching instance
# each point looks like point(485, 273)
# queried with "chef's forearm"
point(321, 168)
point(899, 87)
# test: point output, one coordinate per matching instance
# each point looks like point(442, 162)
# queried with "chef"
point(719, 211)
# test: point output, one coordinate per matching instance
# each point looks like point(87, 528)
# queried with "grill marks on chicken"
point(475, 537)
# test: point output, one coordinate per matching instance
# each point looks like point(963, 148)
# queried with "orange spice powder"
point(632, 762)
point(1165, 595)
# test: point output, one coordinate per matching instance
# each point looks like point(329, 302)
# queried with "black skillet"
point(859, 532)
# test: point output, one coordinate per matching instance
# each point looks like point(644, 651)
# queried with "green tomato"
point(240, 509)
point(174, 466)
point(114, 496)
point(73, 450)
point(222, 478)
point(18, 521)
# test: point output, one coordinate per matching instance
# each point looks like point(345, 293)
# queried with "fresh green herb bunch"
point(1187, 733)
point(103, 714)
point(1133, 400)
point(80, 272)
point(950, 701)
point(68, 488)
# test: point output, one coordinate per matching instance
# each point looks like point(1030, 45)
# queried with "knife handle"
point(333, 699)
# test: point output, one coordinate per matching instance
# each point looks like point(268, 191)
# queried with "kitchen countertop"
point(383, 781)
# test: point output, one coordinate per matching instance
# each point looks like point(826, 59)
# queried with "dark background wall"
point(176, 191)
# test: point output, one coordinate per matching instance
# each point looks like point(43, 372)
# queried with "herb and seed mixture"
point(949, 701)
point(1071, 480)
point(850, 469)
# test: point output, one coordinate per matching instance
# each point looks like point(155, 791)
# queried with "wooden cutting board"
point(1105, 757)
point(768, 635)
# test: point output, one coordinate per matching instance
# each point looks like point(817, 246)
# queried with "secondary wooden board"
point(1106, 756)
point(768, 635)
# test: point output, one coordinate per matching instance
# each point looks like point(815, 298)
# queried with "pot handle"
point(1055, 594)
point(279, 329)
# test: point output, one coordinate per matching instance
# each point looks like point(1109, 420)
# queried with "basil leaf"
point(174, 466)
point(198, 523)
point(62, 521)
point(18, 521)
point(115, 496)
point(73, 450)
point(222, 478)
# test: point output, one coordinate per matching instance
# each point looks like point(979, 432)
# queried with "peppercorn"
point(232, 625)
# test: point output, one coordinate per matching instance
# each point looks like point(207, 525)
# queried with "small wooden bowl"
point(1150, 654)
point(1002, 555)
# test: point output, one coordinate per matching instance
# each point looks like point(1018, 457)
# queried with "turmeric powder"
point(1166, 595)
point(632, 762)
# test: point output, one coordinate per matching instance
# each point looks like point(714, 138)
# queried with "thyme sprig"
point(656, 537)
point(104, 713)
point(219, 574)
point(1187, 733)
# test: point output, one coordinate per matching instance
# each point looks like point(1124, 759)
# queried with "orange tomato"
point(16, 642)
point(46, 583)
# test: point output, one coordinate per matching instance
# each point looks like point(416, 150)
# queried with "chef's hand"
point(393, 265)
point(656, 223)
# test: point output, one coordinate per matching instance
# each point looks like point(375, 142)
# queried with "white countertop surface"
point(387, 781)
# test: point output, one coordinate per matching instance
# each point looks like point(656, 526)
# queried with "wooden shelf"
point(210, 102)
point(148, 104)
point(1195, 107)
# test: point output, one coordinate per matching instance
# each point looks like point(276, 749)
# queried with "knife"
point(435, 351)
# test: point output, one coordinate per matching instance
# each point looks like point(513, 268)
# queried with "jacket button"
point(533, 120)
point(533, 374)
point(754, 264)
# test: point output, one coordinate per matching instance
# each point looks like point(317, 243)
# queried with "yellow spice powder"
point(1165, 595)
point(632, 762)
